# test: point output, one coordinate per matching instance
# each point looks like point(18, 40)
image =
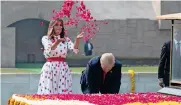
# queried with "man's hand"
point(161, 82)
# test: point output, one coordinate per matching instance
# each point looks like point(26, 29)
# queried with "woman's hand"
point(42, 49)
point(55, 44)
point(76, 51)
point(61, 40)
point(80, 35)
point(77, 40)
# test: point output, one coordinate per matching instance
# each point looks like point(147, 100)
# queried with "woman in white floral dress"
point(56, 76)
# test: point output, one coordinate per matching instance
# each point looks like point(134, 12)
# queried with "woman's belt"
point(51, 59)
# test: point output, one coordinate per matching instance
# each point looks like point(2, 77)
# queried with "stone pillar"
point(8, 47)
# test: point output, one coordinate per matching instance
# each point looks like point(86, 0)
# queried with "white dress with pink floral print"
point(55, 76)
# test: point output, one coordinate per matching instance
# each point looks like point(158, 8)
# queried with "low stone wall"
point(82, 62)
point(28, 83)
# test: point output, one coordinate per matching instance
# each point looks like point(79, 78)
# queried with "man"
point(88, 48)
point(176, 58)
point(102, 74)
point(164, 65)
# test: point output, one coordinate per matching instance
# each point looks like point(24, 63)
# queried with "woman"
point(56, 75)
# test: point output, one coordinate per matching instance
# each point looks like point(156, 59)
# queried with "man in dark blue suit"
point(164, 65)
point(102, 74)
point(88, 48)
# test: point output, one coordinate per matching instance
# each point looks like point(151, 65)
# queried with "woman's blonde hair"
point(107, 59)
point(51, 31)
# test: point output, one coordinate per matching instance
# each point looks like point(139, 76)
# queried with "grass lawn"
point(77, 69)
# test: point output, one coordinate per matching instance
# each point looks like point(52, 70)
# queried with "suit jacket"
point(88, 51)
point(164, 64)
point(92, 78)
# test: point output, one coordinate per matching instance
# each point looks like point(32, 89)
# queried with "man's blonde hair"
point(107, 59)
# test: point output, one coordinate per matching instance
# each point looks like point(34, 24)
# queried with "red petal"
point(41, 24)
point(53, 10)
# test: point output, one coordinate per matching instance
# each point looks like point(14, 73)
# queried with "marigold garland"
point(12, 101)
point(132, 78)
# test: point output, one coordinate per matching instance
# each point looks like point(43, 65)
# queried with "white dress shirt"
point(176, 45)
point(89, 46)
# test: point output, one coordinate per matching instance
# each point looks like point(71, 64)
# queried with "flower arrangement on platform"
point(158, 103)
point(106, 99)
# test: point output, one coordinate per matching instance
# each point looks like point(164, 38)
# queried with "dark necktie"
point(178, 49)
point(104, 76)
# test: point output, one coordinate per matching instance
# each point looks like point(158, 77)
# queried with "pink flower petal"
point(41, 24)
point(82, 14)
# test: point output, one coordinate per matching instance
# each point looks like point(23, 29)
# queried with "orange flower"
point(22, 103)
point(16, 103)
point(12, 101)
